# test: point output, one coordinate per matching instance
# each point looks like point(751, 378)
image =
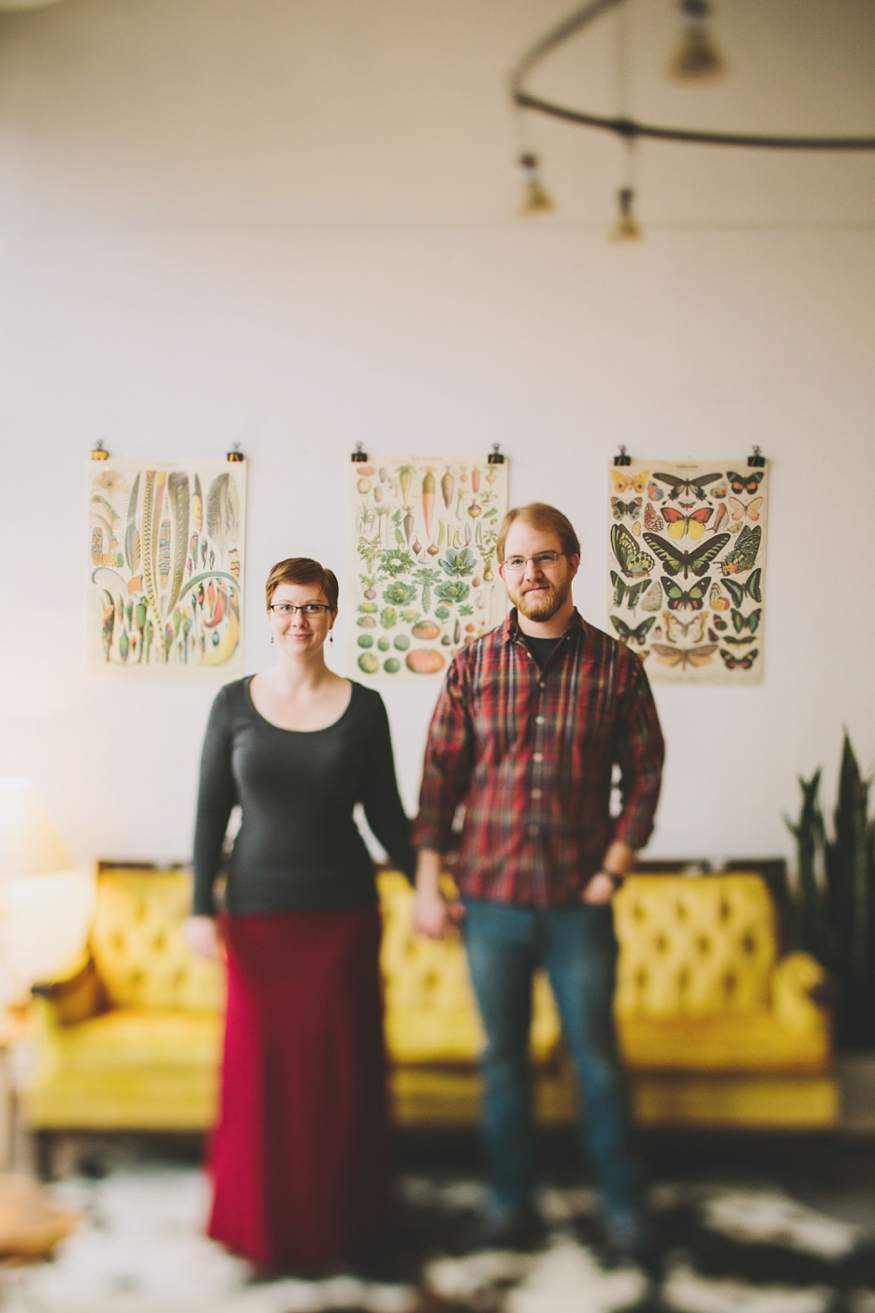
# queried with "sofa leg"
point(43, 1146)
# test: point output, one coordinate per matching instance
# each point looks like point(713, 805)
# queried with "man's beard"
point(542, 605)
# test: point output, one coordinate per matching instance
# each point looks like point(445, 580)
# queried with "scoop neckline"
point(282, 728)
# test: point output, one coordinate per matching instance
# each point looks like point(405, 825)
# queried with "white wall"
point(290, 223)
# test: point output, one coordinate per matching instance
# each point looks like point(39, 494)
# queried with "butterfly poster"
point(686, 564)
point(426, 579)
point(166, 568)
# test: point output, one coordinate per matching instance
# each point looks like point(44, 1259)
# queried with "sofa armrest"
point(801, 992)
point(75, 995)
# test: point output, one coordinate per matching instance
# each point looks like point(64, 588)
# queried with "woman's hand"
point(203, 938)
point(433, 915)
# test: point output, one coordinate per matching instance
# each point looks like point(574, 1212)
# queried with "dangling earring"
point(330, 636)
point(271, 638)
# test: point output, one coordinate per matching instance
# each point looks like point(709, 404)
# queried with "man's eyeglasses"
point(285, 610)
point(543, 561)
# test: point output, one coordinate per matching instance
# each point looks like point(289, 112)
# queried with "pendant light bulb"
point(626, 228)
point(535, 199)
point(696, 58)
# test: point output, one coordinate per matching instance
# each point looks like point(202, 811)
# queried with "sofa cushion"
point(135, 1038)
point(754, 1041)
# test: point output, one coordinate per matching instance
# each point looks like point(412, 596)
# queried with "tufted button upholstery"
point(131, 1040)
point(714, 1030)
point(138, 946)
point(431, 1015)
point(699, 985)
point(694, 945)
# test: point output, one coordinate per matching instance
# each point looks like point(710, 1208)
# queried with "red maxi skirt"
point(300, 1155)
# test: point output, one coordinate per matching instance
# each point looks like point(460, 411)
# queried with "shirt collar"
point(510, 630)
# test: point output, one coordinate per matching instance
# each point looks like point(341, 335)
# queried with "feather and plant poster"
point(424, 570)
point(166, 567)
point(687, 549)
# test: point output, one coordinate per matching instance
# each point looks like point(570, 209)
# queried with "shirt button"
point(540, 720)
point(536, 793)
point(533, 829)
point(537, 756)
point(542, 683)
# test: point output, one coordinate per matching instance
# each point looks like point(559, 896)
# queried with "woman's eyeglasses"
point(285, 610)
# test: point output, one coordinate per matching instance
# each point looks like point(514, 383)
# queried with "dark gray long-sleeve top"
point(298, 845)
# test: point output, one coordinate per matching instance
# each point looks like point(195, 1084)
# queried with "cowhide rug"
point(721, 1249)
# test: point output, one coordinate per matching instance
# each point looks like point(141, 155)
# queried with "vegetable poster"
point(687, 555)
point(166, 572)
point(425, 575)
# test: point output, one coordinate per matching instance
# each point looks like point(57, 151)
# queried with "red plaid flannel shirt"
point(531, 754)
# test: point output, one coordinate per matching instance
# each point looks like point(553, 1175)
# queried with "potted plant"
point(835, 896)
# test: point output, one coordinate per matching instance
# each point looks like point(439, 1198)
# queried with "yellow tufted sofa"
point(715, 1029)
point(433, 1031)
point(129, 1037)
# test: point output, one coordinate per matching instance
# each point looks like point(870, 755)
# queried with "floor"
point(744, 1225)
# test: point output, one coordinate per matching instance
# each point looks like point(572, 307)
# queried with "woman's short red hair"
point(303, 570)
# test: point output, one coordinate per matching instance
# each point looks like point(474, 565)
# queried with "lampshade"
point(29, 842)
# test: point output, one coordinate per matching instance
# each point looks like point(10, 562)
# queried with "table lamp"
point(29, 842)
point(45, 902)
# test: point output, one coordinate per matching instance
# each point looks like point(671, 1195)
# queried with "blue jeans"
point(577, 947)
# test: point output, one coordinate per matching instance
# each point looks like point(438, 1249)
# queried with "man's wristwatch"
point(616, 880)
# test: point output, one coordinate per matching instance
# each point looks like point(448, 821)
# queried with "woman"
point(300, 1155)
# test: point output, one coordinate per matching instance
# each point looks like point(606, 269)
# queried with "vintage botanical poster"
point(424, 570)
point(686, 565)
point(166, 573)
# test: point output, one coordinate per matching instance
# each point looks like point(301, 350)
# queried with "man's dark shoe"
point(630, 1241)
point(517, 1230)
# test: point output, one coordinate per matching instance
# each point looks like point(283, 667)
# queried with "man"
point(526, 733)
